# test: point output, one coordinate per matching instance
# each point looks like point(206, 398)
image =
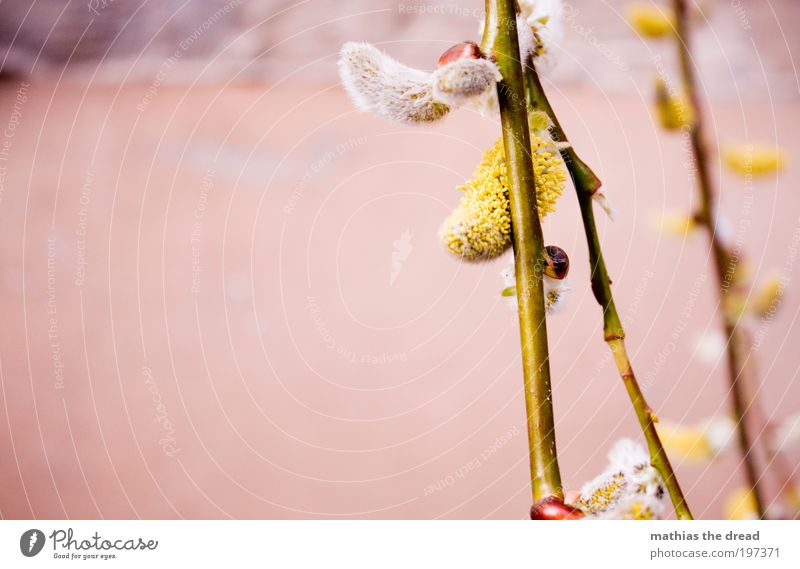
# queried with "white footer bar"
point(389, 544)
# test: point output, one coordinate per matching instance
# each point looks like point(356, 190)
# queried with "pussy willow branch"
point(586, 184)
point(724, 261)
point(500, 40)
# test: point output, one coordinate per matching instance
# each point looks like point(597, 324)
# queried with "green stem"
point(501, 41)
point(724, 262)
point(586, 185)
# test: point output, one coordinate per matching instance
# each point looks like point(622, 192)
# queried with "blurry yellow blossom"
point(675, 223)
point(749, 159)
point(741, 505)
point(793, 498)
point(688, 442)
point(673, 109)
point(649, 20)
point(769, 295)
point(699, 441)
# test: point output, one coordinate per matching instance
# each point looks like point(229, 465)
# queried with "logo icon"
point(31, 542)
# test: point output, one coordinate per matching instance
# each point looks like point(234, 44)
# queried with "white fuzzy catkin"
point(630, 488)
point(605, 204)
point(540, 28)
point(555, 294)
point(464, 80)
point(720, 433)
point(544, 21)
point(787, 435)
point(710, 346)
point(379, 84)
point(555, 291)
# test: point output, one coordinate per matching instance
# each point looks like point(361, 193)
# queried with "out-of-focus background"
point(222, 293)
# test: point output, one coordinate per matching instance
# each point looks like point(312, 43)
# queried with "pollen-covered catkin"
point(480, 227)
point(630, 488)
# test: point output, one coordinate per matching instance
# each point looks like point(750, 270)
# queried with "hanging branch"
point(586, 186)
point(500, 40)
point(724, 261)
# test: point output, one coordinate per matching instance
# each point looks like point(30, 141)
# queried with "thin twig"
point(500, 40)
point(724, 262)
point(586, 185)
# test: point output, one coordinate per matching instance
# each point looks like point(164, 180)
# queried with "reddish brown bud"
point(554, 508)
point(557, 262)
point(468, 49)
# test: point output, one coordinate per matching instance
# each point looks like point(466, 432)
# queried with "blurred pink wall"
point(228, 300)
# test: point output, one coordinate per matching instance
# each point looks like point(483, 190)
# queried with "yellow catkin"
point(638, 511)
point(753, 160)
point(649, 20)
point(480, 227)
point(603, 497)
